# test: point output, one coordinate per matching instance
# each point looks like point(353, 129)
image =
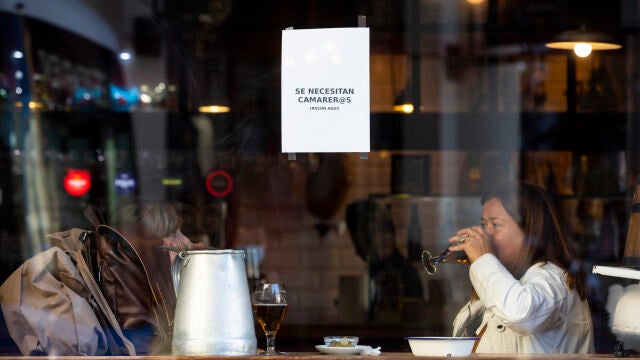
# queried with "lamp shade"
point(214, 109)
point(402, 103)
point(568, 39)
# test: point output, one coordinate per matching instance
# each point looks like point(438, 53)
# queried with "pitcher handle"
point(175, 269)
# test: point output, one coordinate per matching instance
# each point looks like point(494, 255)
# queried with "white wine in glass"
point(270, 308)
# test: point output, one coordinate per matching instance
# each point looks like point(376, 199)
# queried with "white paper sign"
point(325, 90)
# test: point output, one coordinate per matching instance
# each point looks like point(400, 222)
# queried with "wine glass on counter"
point(430, 262)
point(270, 308)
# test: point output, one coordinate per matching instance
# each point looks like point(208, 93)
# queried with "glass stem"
point(271, 342)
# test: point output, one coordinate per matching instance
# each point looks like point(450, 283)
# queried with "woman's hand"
point(476, 242)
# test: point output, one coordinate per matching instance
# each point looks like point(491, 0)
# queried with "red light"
point(77, 182)
point(219, 183)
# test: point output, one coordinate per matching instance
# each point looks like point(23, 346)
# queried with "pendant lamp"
point(215, 103)
point(402, 103)
point(214, 109)
point(582, 42)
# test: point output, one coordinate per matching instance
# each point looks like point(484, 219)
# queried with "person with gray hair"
point(158, 216)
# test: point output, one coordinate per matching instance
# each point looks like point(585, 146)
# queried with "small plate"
point(336, 350)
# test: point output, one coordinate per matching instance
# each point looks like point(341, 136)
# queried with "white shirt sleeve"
point(533, 303)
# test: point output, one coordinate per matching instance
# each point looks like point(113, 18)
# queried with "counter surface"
point(318, 356)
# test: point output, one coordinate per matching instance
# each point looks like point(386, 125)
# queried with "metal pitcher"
point(213, 312)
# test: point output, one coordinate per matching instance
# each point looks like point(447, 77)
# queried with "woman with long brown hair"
point(530, 291)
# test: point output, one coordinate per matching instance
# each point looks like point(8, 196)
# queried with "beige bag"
point(52, 304)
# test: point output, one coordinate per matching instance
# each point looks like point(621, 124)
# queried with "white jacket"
point(536, 314)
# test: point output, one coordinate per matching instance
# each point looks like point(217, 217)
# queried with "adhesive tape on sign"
point(219, 183)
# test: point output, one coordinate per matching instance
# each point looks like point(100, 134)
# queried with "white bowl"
point(441, 346)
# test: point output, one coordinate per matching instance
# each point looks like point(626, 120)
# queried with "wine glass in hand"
point(270, 307)
point(430, 262)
